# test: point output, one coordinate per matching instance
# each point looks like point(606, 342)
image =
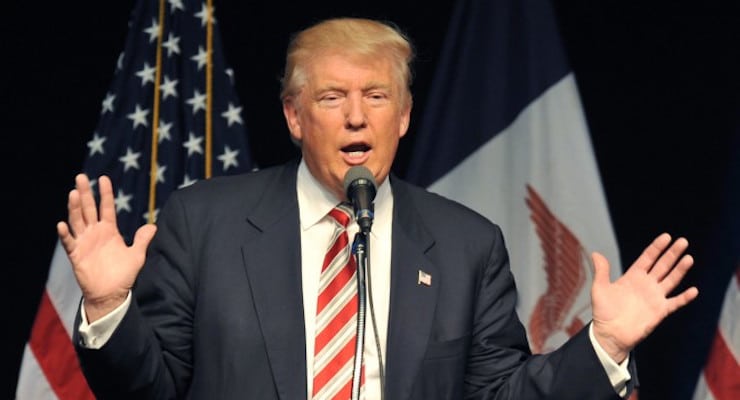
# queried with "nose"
point(355, 117)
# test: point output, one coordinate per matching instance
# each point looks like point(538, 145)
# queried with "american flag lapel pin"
point(424, 278)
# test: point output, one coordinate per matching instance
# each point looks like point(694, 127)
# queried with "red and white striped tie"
point(336, 316)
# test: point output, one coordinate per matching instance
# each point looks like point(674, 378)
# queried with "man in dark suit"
point(225, 304)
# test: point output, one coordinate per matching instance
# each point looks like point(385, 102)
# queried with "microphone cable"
point(381, 369)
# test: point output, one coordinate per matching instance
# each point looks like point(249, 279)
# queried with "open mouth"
point(356, 150)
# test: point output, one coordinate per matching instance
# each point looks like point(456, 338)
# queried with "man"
point(226, 303)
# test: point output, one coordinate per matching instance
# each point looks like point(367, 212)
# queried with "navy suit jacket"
point(218, 310)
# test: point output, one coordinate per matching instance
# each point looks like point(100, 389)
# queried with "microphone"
point(359, 185)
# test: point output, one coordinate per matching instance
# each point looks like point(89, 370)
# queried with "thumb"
point(143, 236)
point(601, 269)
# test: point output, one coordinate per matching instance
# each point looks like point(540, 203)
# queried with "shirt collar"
point(315, 201)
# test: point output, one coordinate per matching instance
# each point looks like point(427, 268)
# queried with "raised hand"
point(104, 265)
point(627, 310)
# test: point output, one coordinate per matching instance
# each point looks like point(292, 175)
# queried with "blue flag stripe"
point(497, 58)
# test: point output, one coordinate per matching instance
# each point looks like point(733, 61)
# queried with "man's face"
point(349, 113)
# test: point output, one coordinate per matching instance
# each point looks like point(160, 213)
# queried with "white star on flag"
point(153, 31)
point(193, 144)
point(139, 116)
point(146, 74)
point(160, 173)
point(198, 101)
point(176, 5)
point(201, 58)
point(108, 103)
point(130, 159)
point(122, 201)
point(163, 131)
point(172, 44)
point(145, 216)
point(96, 144)
point(203, 14)
point(186, 181)
point(168, 88)
point(229, 158)
point(232, 114)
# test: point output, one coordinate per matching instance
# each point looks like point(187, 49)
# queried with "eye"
point(330, 100)
point(377, 97)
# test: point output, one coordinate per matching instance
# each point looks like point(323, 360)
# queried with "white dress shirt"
point(314, 203)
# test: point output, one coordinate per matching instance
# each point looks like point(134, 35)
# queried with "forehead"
point(338, 68)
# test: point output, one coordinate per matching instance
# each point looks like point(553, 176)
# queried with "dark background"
point(660, 86)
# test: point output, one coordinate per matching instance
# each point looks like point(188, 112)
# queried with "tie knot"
point(342, 213)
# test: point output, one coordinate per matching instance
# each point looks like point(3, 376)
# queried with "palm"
point(104, 265)
point(626, 311)
point(103, 261)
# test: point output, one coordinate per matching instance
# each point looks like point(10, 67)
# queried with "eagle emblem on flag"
point(561, 310)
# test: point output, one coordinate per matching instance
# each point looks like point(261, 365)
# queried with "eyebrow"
point(338, 87)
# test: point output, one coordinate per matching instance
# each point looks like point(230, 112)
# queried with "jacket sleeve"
point(500, 365)
point(149, 354)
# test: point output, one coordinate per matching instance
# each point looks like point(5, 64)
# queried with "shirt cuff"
point(618, 373)
point(96, 335)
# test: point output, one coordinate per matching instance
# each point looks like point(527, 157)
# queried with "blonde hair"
point(355, 37)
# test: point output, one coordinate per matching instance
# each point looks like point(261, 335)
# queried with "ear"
point(290, 111)
point(405, 119)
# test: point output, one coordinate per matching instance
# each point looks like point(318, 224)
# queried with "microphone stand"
point(360, 248)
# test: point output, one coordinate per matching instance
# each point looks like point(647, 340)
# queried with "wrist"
point(96, 308)
point(615, 351)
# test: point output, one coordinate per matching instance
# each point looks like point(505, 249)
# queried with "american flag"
point(720, 376)
point(170, 118)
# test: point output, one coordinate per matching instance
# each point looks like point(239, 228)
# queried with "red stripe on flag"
point(722, 372)
point(55, 354)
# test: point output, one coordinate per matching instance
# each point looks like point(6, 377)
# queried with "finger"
point(652, 252)
point(65, 237)
point(89, 208)
point(666, 261)
point(143, 237)
point(677, 273)
point(74, 212)
point(680, 300)
point(601, 269)
point(107, 204)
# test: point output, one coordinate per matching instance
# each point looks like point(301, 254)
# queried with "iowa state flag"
point(505, 134)
point(171, 117)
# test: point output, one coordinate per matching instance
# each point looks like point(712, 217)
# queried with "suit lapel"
point(272, 260)
point(412, 303)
